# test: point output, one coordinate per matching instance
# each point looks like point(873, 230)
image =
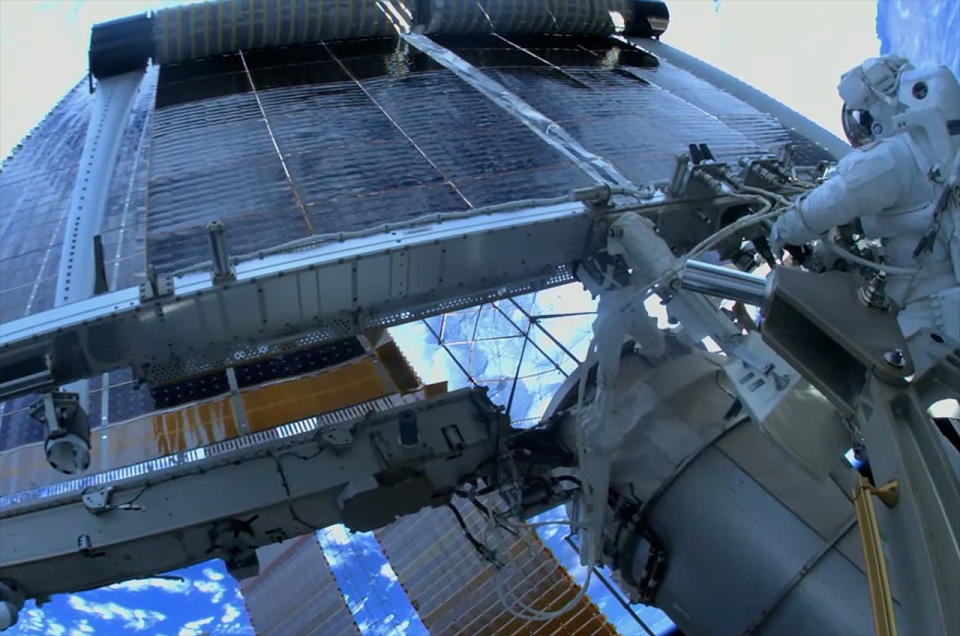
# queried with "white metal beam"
point(226, 499)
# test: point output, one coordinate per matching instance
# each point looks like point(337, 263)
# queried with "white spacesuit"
point(901, 183)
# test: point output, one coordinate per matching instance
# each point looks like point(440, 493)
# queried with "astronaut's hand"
point(780, 243)
point(775, 239)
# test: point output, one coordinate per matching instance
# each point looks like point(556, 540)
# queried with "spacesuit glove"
point(776, 239)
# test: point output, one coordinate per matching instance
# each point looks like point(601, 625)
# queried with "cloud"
point(212, 574)
point(549, 532)
point(34, 620)
point(173, 586)
point(230, 613)
point(135, 619)
point(194, 628)
point(55, 628)
point(81, 628)
point(387, 572)
point(355, 606)
point(336, 534)
point(216, 590)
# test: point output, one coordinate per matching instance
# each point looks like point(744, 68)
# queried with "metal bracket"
point(154, 286)
point(97, 500)
point(223, 270)
point(817, 323)
point(760, 380)
point(337, 437)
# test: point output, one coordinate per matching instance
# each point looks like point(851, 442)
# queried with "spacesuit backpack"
point(931, 101)
point(885, 96)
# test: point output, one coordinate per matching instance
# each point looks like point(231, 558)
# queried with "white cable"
point(830, 245)
point(765, 213)
point(782, 200)
point(880, 267)
point(526, 612)
point(513, 603)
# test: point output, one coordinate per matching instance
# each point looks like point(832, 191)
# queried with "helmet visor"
point(856, 126)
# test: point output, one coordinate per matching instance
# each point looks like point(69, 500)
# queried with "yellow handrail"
point(881, 596)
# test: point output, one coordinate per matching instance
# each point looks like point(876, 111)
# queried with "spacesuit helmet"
point(870, 98)
point(930, 110)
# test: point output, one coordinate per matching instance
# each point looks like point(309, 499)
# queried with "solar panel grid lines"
point(296, 592)
point(453, 589)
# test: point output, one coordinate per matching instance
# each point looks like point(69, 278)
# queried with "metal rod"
point(473, 336)
point(450, 353)
point(878, 580)
point(218, 247)
point(527, 336)
point(571, 314)
point(536, 322)
point(443, 326)
point(516, 376)
point(724, 282)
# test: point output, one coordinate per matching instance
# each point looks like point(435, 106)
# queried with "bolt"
point(874, 293)
point(894, 358)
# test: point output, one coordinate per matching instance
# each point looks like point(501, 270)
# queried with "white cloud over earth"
point(133, 619)
point(195, 628)
point(230, 613)
point(216, 590)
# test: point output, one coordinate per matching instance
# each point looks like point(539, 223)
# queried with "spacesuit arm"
point(866, 183)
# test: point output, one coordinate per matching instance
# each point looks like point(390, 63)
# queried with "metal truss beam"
point(307, 295)
point(248, 492)
point(322, 293)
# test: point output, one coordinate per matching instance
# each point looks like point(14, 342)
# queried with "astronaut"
point(901, 184)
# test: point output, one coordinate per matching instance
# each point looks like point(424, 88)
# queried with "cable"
point(305, 458)
point(134, 499)
point(830, 245)
point(525, 612)
point(518, 607)
point(853, 258)
point(286, 489)
point(481, 549)
point(745, 221)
